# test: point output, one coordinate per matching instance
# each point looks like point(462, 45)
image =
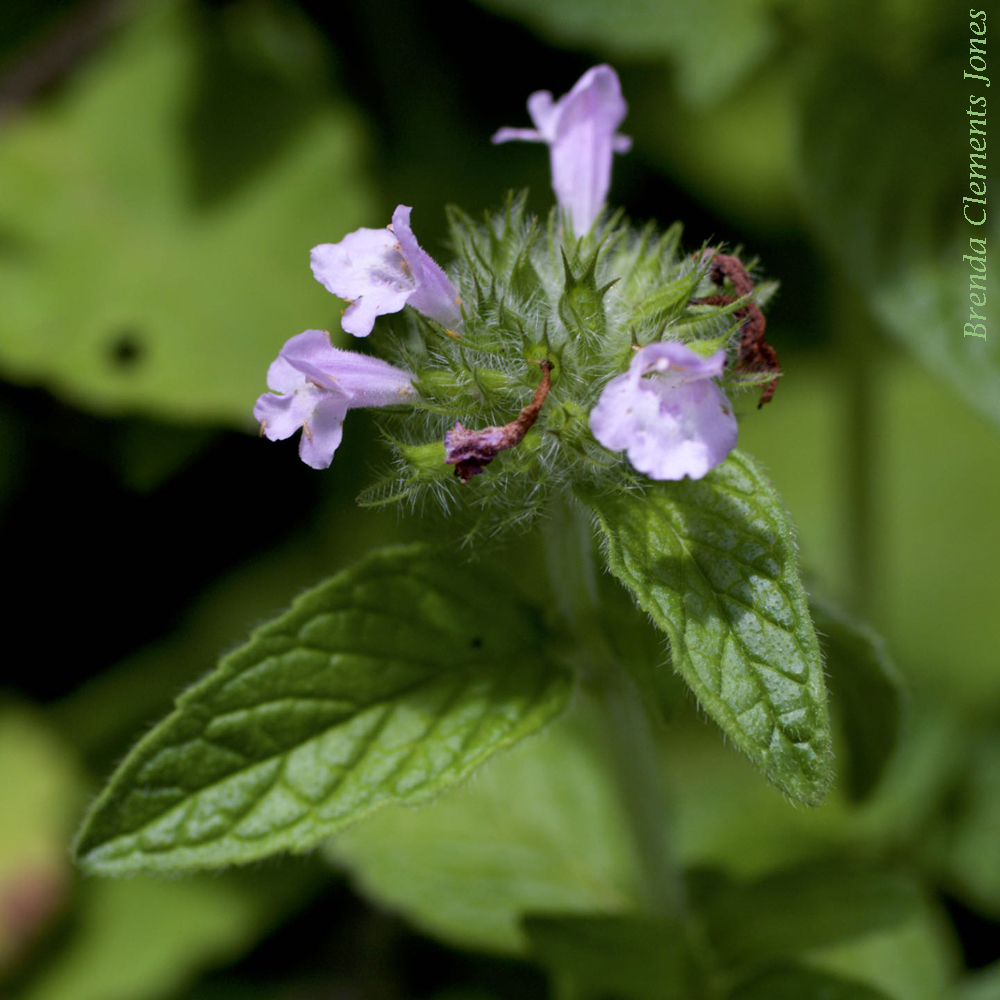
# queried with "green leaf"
point(804, 984)
point(713, 563)
point(134, 279)
point(906, 250)
point(867, 692)
point(807, 906)
point(389, 682)
point(983, 985)
point(147, 938)
point(911, 960)
point(627, 957)
point(969, 850)
point(538, 829)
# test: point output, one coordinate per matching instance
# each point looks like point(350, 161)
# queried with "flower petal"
point(323, 431)
point(612, 419)
point(280, 416)
point(517, 135)
point(684, 430)
point(364, 380)
point(366, 268)
point(666, 413)
point(544, 113)
point(433, 295)
point(309, 355)
point(368, 381)
point(581, 129)
point(678, 360)
point(281, 376)
point(588, 119)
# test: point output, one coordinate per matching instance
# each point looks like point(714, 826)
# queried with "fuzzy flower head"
point(313, 384)
point(581, 130)
point(666, 413)
point(381, 270)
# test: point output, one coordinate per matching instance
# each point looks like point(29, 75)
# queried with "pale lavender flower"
point(666, 413)
point(581, 130)
point(381, 270)
point(313, 384)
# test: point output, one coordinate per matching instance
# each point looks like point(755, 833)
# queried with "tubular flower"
point(313, 384)
point(381, 270)
point(581, 130)
point(666, 413)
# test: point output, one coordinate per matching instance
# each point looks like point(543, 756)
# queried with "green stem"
point(631, 740)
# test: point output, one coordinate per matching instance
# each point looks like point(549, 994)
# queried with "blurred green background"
point(165, 168)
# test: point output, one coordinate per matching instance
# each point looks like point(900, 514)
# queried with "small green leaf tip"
point(388, 683)
point(713, 563)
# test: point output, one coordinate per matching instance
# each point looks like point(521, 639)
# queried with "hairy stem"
point(630, 736)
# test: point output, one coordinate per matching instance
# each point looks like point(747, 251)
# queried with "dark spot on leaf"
point(127, 349)
point(477, 643)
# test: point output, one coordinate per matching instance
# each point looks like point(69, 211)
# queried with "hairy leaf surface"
point(713, 562)
point(389, 682)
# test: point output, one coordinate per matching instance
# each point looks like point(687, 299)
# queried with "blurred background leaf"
point(147, 938)
point(40, 792)
point(155, 237)
point(866, 695)
point(536, 830)
point(900, 234)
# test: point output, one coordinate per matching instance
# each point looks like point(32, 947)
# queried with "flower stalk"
point(630, 736)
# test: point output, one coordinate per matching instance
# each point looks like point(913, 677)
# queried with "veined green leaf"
point(713, 562)
point(387, 683)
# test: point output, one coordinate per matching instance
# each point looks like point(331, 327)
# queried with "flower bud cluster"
point(578, 349)
point(539, 304)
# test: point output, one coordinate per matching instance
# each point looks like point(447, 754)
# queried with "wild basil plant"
point(574, 380)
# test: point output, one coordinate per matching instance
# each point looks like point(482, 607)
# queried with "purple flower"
point(666, 413)
point(381, 270)
point(313, 384)
point(581, 129)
